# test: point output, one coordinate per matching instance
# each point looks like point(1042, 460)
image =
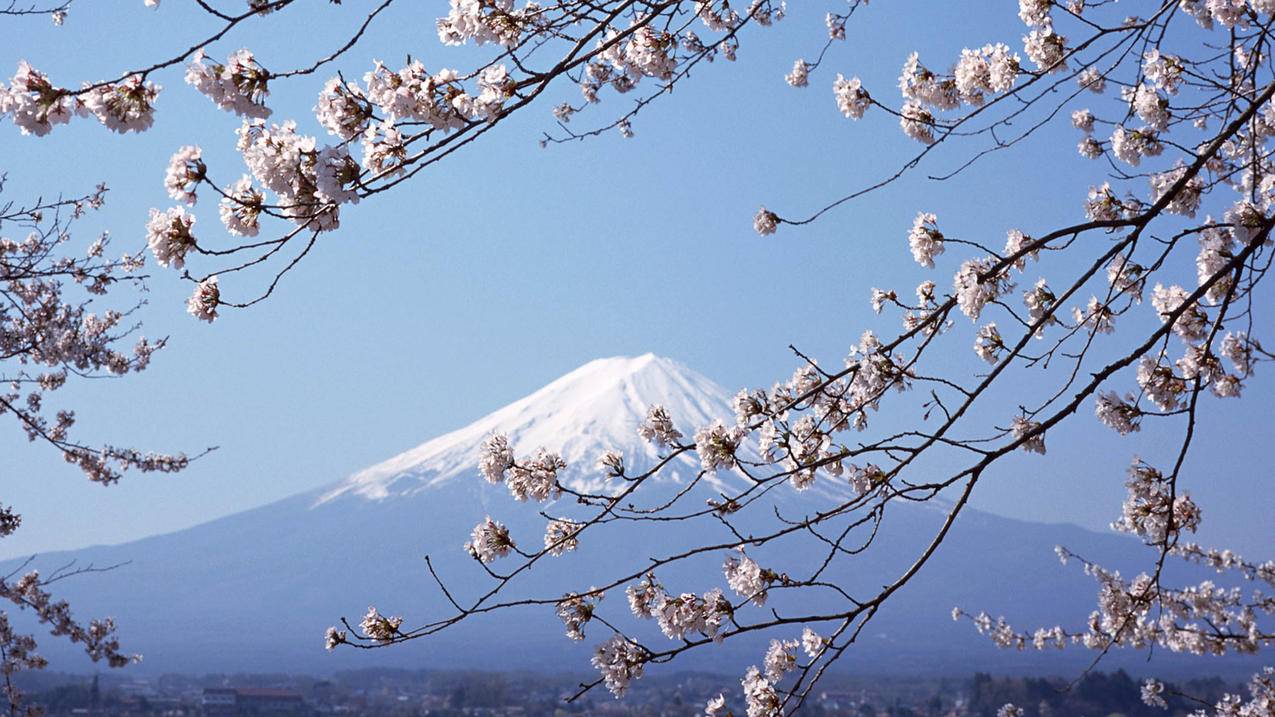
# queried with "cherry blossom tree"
point(1142, 309)
point(55, 329)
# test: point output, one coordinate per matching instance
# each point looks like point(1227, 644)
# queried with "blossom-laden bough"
point(1139, 311)
point(54, 329)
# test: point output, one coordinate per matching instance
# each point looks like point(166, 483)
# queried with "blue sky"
point(509, 265)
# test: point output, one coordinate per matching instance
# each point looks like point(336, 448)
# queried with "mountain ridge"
point(255, 590)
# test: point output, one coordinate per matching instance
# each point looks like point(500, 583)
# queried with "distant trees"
point(1145, 308)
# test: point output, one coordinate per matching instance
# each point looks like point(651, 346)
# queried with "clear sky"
point(509, 265)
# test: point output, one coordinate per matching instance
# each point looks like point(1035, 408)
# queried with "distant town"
point(407, 693)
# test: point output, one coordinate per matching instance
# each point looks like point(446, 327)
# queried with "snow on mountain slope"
point(594, 408)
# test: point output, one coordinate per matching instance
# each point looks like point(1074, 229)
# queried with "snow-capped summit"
point(589, 410)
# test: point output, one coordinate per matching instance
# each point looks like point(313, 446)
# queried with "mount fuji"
point(254, 591)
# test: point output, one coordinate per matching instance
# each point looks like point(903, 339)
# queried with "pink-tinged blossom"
point(799, 76)
point(497, 21)
point(204, 301)
point(866, 478)
point(976, 285)
point(1164, 71)
point(987, 343)
point(378, 627)
point(619, 661)
point(575, 611)
point(781, 658)
point(343, 109)
point(880, 297)
point(765, 222)
point(1131, 145)
point(1082, 120)
point(1028, 431)
point(1187, 198)
point(1217, 246)
point(1046, 49)
point(1199, 363)
point(1150, 106)
point(852, 99)
point(923, 88)
point(813, 644)
point(384, 149)
point(239, 85)
point(185, 171)
point(310, 182)
point(836, 25)
point(748, 579)
point(1097, 316)
point(716, 445)
point(611, 463)
point(489, 540)
point(992, 68)
point(687, 613)
point(335, 175)
point(658, 428)
point(1015, 242)
point(125, 107)
point(1191, 324)
point(34, 103)
point(1237, 348)
point(1160, 384)
point(749, 405)
point(535, 477)
point(1093, 80)
point(29, 592)
point(169, 236)
point(925, 240)
point(645, 596)
point(334, 637)
point(241, 207)
point(1034, 13)
point(1151, 510)
point(412, 93)
point(1121, 415)
point(1040, 301)
point(759, 695)
point(917, 122)
point(1103, 205)
point(1246, 221)
point(496, 458)
point(1127, 277)
point(560, 536)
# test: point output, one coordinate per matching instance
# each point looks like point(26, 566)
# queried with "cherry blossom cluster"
point(1202, 619)
point(680, 615)
point(534, 477)
point(375, 626)
point(36, 105)
point(18, 651)
point(239, 85)
point(55, 329)
point(490, 540)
